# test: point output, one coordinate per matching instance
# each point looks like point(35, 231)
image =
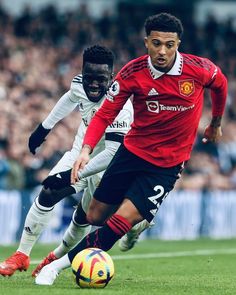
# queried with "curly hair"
point(164, 22)
point(98, 55)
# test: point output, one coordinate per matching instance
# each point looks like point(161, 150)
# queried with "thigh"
point(118, 177)
point(92, 183)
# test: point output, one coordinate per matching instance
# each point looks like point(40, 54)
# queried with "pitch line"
point(204, 252)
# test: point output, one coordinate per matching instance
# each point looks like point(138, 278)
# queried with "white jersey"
point(76, 97)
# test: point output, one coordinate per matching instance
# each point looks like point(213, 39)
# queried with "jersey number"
point(158, 198)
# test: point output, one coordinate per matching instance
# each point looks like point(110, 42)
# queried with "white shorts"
point(88, 184)
point(92, 184)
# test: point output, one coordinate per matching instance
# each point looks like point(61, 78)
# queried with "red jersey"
point(167, 106)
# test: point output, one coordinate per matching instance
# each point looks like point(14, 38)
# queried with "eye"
point(155, 42)
point(102, 79)
point(170, 45)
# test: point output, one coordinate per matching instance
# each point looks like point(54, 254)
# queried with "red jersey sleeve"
point(217, 83)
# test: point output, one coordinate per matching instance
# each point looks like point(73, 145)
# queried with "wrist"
point(43, 130)
point(216, 121)
point(86, 149)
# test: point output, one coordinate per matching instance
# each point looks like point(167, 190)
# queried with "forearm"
point(100, 161)
point(218, 97)
point(95, 131)
point(63, 107)
point(103, 117)
point(80, 185)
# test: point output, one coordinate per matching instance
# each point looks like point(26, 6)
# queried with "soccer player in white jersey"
point(87, 91)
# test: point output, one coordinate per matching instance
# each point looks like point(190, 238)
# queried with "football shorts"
point(129, 176)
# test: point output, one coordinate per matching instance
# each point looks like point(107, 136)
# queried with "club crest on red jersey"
point(186, 87)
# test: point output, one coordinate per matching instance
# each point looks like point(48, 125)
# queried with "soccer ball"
point(93, 268)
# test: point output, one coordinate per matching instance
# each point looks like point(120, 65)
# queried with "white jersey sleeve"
point(67, 103)
point(101, 160)
point(76, 90)
point(63, 108)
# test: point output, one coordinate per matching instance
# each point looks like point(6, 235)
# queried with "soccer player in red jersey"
point(168, 93)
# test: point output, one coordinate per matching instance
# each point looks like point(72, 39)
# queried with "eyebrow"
point(168, 41)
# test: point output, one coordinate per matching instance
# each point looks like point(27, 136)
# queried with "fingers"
point(80, 164)
point(213, 139)
point(74, 173)
point(212, 134)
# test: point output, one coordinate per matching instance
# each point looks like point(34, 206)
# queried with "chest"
point(87, 110)
point(171, 89)
point(168, 95)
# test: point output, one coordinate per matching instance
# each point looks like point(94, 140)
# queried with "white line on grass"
point(204, 252)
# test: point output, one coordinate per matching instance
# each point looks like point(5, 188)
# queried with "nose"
point(162, 50)
point(94, 83)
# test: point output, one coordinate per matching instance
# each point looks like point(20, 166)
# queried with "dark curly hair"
point(164, 22)
point(98, 55)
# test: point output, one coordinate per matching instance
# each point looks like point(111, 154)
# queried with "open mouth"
point(161, 61)
point(94, 93)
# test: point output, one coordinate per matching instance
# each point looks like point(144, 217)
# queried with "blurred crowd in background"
point(41, 52)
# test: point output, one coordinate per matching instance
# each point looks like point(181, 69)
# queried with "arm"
point(101, 161)
point(218, 86)
point(63, 107)
point(97, 164)
point(94, 131)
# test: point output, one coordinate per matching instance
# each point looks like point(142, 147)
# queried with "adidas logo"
point(27, 229)
point(152, 92)
point(65, 243)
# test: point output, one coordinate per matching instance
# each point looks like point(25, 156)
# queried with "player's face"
point(96, 80)
point(162, 48)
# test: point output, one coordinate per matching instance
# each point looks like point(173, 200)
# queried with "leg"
point(145, 186)
point(76, 231)
point(36, 220)
point(78, 227)
point(104, 238)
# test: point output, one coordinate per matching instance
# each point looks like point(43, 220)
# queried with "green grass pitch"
point(153, 267)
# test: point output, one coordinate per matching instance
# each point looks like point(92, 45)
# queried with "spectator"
point(38, 59)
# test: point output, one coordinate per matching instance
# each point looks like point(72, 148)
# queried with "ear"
point(146, 42)
point(178, 44)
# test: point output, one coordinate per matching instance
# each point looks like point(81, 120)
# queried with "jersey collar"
point(176, 70)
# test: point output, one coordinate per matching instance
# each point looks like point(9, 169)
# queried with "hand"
point(37, 138)
point(80, 163)
point(58, 180)
point(212, 134)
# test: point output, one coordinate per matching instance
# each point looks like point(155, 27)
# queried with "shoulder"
point(77, 79)
point(195, 61)
point(76, 87)
point(134, 66)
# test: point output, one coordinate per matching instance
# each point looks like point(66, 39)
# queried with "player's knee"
point(45, 198)
point(79, 216)
point(94, 219)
